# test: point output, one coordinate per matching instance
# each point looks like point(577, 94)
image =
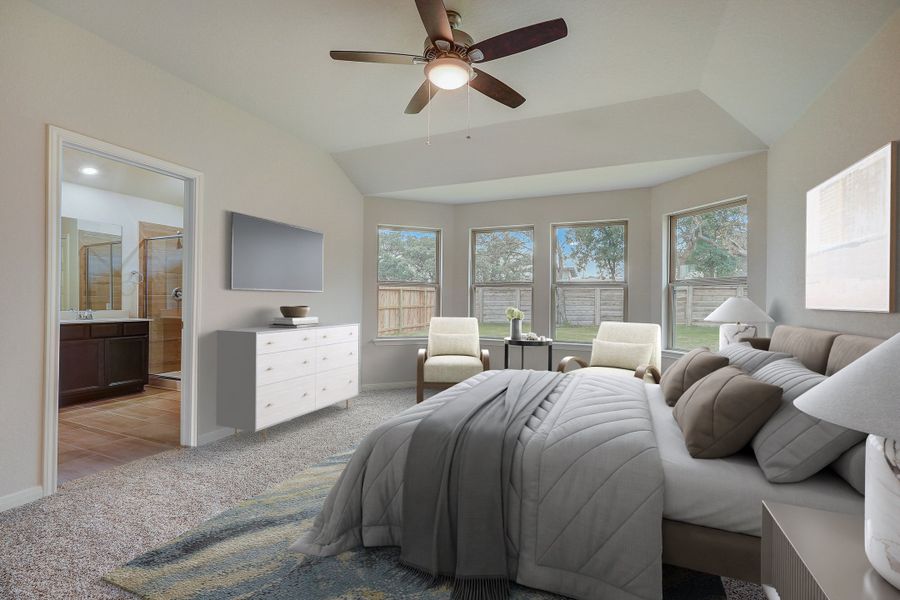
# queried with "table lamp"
point(865, 396)
point(739, 317)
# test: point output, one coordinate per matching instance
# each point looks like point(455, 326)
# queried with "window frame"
point(671, 258)
point(554, 284)
point(437, 284)
point(473, 286)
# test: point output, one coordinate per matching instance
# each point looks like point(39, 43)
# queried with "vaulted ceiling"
point(640, 91)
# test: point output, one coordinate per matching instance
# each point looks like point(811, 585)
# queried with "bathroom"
point(120, 319)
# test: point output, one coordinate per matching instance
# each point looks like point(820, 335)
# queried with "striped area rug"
point(242, 554)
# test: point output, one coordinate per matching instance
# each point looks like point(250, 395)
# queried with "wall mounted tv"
point(277, 257)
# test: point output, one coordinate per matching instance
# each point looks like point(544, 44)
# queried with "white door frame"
point(58, 138)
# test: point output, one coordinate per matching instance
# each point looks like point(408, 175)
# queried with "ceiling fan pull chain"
point(428, 118)
point(469, 106)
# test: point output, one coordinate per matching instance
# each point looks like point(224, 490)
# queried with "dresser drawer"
point(284, 400)
point(284, 340)
point(290, 364)
point(336, 335)
point(336, 356)
point(337, 385)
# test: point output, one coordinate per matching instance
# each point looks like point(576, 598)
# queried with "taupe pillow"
point(721, 413)
point(691, 367)
point(793, 445)
point(748, 358)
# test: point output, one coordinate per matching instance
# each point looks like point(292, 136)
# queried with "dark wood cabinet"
point(99, 360)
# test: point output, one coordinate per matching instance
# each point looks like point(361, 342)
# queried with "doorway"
point(120, 364)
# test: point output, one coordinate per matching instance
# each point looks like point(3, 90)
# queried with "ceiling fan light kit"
point(448, 73)
point(450, 53)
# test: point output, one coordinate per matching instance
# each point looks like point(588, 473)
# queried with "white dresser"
point(269, 375)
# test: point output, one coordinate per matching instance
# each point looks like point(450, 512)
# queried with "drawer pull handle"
point(324, 358)
point(305, 362)
point(349, 381)
point(269, 343)
point(306, 339)
point(269, 405)
point(351, 354)
point(323, 389)
point(269, 369)
point(324, 335)
point(305, 394)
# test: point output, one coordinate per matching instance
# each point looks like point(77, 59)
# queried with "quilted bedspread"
point(585, 509)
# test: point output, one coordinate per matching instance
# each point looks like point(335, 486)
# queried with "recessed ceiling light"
point(89, 170)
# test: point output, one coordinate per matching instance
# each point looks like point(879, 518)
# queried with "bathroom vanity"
point(102, 358)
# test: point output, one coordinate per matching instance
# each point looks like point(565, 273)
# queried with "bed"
point(597, 467)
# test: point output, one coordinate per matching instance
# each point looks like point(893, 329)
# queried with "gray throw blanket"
point(582, 498)
point(457, 471)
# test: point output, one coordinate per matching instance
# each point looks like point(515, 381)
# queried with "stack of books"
point(295, 321)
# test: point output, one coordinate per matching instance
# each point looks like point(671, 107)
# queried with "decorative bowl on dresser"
point(268, 375)
point(102, 358)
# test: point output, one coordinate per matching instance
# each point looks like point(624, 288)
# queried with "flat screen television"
point(272, 256)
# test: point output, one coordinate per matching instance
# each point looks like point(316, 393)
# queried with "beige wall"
point(855, 115)
point(52, 72)
point(743, 177)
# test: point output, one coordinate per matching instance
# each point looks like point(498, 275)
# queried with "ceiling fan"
point(450, 53)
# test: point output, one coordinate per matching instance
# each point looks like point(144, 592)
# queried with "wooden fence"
point(589, 305)
point(405, 310)
point(491, 303)
point(694, 303)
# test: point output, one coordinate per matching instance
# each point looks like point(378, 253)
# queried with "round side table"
point(507, 342)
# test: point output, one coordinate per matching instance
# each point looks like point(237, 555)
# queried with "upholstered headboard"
point(822, 351)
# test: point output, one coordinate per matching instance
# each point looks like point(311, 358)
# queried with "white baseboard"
point(213, 436)
point(21, 497)
point(396, 385)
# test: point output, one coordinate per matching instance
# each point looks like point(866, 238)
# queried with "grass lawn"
point(688, 337)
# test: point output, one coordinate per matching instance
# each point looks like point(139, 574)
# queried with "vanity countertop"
point(104, 320)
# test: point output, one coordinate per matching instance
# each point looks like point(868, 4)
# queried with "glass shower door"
point(162, 303)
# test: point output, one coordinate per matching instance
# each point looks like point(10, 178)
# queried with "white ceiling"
point(122, 178)
point(762, 61)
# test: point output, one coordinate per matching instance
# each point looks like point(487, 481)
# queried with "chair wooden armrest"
point(565, 362)
point(486, 359)
point(420, 374)
point(642, 370)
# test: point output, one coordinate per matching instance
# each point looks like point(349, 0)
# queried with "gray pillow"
point(851, 467)
point(793, 445)
point(746, 357)
point(720, 413)
point(691, 367)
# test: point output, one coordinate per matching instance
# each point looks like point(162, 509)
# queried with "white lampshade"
point(864, 395)
point(448, 73)
point(739, 309)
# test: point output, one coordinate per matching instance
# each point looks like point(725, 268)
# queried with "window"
point(589, 285)
point(502, 272)
point(409, 276)
point(707, 265)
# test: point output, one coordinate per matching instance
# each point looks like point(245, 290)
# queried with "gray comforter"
point(584, 507)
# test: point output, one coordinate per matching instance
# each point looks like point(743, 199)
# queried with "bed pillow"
point(851, 467)
point(748, 358)
point(793, 445)
point(688, 369)
point(621, 355)
point(721, 413)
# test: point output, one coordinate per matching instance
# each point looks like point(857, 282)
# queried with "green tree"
point(407, 255)
point(712, 244)
point(503, 256)
point(602, 246)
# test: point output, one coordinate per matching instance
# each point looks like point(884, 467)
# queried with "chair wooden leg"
point(420, 392)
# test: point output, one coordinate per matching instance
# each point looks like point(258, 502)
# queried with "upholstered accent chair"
point(453, 354)
point(631, 349)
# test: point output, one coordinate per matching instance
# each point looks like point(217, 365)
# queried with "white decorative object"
point(270, 375)
point(865, 395)
point(739, 317)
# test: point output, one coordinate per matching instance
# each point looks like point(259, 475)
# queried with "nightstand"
point(810, 554)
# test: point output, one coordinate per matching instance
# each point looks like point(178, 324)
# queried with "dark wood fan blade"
point(434, 18)
point(494, 88)
point(421, 98)
point(393, 58)
point(520, 40)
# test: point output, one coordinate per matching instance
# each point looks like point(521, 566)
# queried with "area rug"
point(242, 554)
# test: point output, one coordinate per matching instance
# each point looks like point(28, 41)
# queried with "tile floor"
point(95, 436)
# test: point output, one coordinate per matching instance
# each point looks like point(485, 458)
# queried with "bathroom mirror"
point(90, 265)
